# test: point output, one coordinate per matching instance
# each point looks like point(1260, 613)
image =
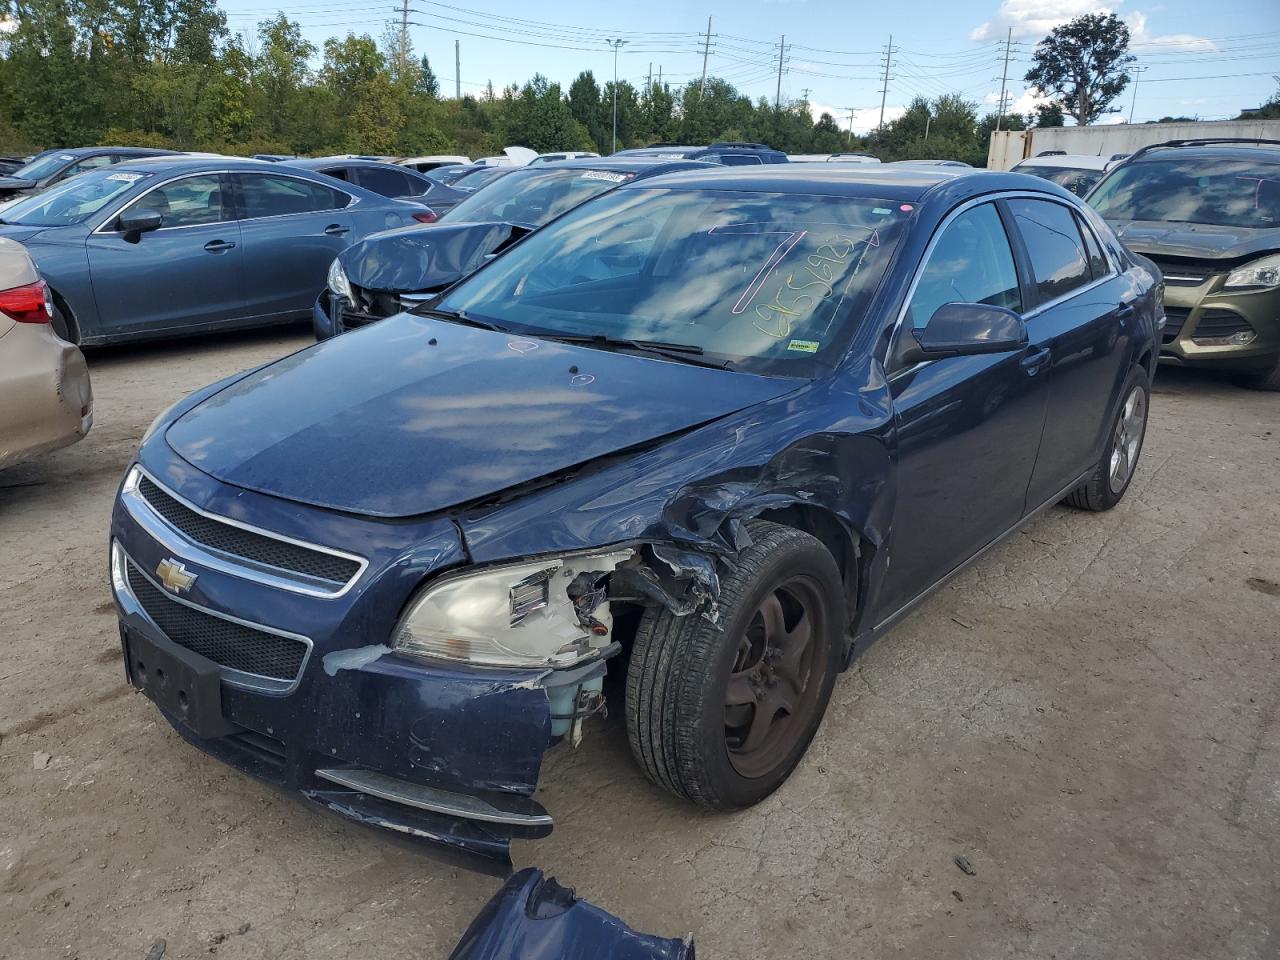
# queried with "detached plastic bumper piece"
point(534, 918)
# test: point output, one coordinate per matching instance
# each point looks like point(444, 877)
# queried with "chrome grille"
point(1186, 272)
point(237, 542)
point(226, 643)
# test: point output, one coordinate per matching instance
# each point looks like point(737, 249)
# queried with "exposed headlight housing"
point(337, 281)
point(1261, 274)
point(543, 613)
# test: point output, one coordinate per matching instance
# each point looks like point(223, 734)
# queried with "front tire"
point(1112, 475)
point(1265, 380)
point(721, 715)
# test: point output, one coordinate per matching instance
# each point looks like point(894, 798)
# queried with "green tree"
point(357, 75)
point(427, 84)
point(1082, 63)
point(280, 72)
point(539, 118)
point(584, 104)
point(629, 117)
point(1268, 111)
point(1047, 115)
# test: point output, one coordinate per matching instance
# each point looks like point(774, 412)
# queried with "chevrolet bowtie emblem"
point(173, 575)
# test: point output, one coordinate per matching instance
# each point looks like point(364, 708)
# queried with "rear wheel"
point(62, 325)
point(721, 714)
point(1110, 479)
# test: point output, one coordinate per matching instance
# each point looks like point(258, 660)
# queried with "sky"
point(1206, 60)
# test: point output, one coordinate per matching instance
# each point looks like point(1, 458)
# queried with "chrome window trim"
point(236, 678)
point(161, 530)
point(352, 200)
point(895, 331)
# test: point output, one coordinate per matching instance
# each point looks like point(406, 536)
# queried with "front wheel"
point(721, 714)
point(1262, 380)
point(1110, 479)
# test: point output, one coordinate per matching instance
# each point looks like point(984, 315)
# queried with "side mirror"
point(135, 223)
point(967, 330)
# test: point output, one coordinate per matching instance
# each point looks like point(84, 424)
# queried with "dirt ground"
point(1089, 716)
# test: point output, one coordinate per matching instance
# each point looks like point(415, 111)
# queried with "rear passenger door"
point(1081, 316)
point(291, 229)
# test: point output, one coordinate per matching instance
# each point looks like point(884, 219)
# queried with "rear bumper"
point(46, 400)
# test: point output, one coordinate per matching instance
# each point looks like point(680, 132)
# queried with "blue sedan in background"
point(181, 245)
point(53, 166)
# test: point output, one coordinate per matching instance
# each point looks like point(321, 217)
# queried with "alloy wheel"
point(1130, 426)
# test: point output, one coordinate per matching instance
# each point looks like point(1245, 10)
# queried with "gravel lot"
point(1089, 716)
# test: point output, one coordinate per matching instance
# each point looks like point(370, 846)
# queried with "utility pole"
point(1004, 79)
point(706, 49)
point(1137, 75)
point(884, 87)
point(851, 110)
point(782, 51)
point(928, 122)
point(659, 75)
point(615, 44)
point(404, 39)
point(648, 79)
point(804, 92)
point(457, 69)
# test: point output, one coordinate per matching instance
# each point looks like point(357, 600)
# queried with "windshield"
point(1221, 192)
point(43, 166)
point(1074, 179)
point(535, 198)
point(448, 173)
point(73, 201)
point(478, 178)
point(770, 282)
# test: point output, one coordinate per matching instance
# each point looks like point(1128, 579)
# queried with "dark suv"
point(1208, 213)
point(730, 153)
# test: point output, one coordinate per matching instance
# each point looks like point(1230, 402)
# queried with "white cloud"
point(865, 119)
point(1031, 20)
point(1021, 103)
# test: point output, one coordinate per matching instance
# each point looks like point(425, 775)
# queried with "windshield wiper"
point(680, 352)
point(460, 316)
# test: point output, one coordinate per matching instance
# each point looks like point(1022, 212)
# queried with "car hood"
point(16, 183)
point(1200, 240)
point(19, 232)
point(429, 257)
point(416, 415)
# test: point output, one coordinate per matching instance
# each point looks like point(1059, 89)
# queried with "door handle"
point(1036, 360)
point(217, 246)
point(336, 229)
point(1125, 312)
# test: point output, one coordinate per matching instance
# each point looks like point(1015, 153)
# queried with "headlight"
point(542, 613)
point(1260, 275)
point(155, 424)
point(338, 281)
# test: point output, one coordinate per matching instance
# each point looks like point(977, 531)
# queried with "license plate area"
point(187, 686)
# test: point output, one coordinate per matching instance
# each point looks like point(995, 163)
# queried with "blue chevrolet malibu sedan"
point(180, 245)
point(715, 432)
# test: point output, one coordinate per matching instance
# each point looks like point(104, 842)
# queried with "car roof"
point(125, 151)
point(1082, 161)
point(1265, 151)
point(182, 163)
point(316, 163)
point(879, 181)
point(648, 166)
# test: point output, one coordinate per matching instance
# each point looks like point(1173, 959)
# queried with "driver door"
point(968, 428)
point(184, 276)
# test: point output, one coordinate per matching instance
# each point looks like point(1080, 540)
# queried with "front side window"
point(1058, 258)
point(88, 163)
point(267, 195)
point(536, 197)
point(767, 282)
point(188, 202)
point(1221, 192)
point(971, 262)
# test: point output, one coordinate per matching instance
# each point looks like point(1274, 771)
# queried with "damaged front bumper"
point(442, 753)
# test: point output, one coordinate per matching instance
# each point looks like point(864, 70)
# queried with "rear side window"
point(972, 262)
point(739, 159)
point(387, 183)
point(187, 202)
point(1058, 259)
point(267, 195)
point(88, 163)
point(338, 173)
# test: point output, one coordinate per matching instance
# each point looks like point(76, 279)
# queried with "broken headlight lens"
point(1260, 275)
point(338, 282)
point(541, 613)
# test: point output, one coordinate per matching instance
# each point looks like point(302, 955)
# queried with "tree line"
point(170, 73)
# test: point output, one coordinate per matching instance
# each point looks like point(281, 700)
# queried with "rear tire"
point(1112, 474)
point(1266, 380)
point(63, 326)
point(721, 715)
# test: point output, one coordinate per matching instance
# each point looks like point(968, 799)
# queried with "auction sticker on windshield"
point(606, 175)
point(127, 177)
